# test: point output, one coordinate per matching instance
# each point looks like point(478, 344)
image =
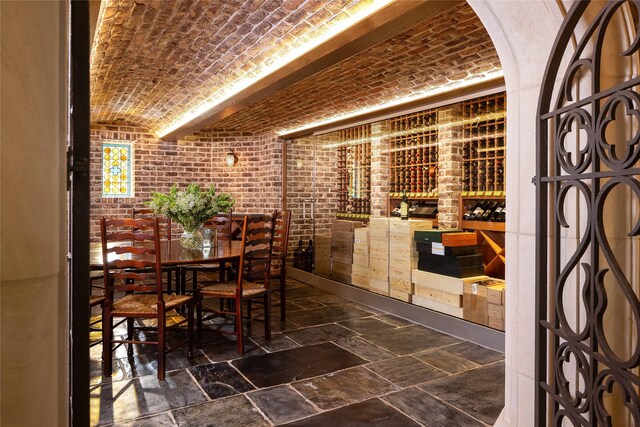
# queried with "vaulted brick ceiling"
point(153, 61)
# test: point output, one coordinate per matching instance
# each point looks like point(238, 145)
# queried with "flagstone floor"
point(332, 363)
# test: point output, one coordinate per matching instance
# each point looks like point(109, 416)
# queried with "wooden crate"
point(443, 283)
point(496, 323)
point(454, 300)
point(359, 270)
point(403, 261)
point(379, 268)
point(495, 311)
point(495, 294)
point(400, 284)
point(360, 281)
point(359, 249)
point(323, 266)
point(402, 296)
point(379, 286)
point(343, 225)
point(437, 306)
point(378, 247)
point(459, 239)
point(361, 260)
point(407, 227)
point(361, 236)
point(379, 227)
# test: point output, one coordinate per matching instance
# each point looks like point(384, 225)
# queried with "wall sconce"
point(232, 159)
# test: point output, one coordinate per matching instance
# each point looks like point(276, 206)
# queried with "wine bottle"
point(479, 211)
point(469, 214)
point(497, 211)
point(404, 206)
point(297, 255)
point(503, 213)
point(489, 211)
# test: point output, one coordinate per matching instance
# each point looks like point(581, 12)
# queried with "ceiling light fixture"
point(397, 102)
point(231, 158)
point(280, 60)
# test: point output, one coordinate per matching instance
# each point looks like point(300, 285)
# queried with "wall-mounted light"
point(232, 159)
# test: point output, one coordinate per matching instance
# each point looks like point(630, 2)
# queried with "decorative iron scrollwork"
point(589, 380)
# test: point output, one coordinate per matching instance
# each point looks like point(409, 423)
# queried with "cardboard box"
point(439, 282)
point(495, 293)
point(495, 311)
point(437, 306)
point(459, 239)
point(454, 300)
point(474, 303)
point(399, 295)
point(496, 323)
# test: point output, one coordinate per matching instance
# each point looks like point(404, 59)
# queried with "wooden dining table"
point(173, 254)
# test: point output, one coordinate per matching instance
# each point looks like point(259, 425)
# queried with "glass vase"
point(191, 239)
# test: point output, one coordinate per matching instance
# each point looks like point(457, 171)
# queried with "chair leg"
point(130, 336)
point(238, 309)
point(198, 319)
point(283, 312)
point(162, 355)
point(267, 315)
point(249, 310)
point(106, 345)
point(190, 330)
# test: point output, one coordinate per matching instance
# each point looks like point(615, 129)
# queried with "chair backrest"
point(280, 244)
point(222, 223)
point(165, 222)
point(131, 255)
point(237, 221)
point(257, 244)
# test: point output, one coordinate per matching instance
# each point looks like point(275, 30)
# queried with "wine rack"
point(484, 146)
point(414, 155)
point(354, 171)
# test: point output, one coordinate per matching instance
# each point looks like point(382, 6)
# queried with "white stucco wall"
point(523, 33)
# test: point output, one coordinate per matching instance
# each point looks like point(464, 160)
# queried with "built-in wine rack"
point(354, 170)
point(484, 146)
point(414, 155)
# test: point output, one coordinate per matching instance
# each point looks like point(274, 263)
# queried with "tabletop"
point(174, 254)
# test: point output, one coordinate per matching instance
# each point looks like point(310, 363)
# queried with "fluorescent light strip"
point(396, 102)
point(276, 64)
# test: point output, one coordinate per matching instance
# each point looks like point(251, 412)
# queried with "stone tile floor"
point(333, 363)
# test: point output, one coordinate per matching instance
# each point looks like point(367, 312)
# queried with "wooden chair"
point(132, 265)
point(165, 232)
point(252, 279)
point(279, 256)
point(278, 274)
point(222, 224)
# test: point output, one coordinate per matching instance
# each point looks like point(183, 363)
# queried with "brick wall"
point(449, 165)
point(379, 168)
point(255, 180)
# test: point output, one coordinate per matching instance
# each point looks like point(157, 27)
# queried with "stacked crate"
point(360, 266)
point(342, 237)
point(403, 256)
point(379, 255)
point(322, 255)
point(444, 294)
point(496, 305)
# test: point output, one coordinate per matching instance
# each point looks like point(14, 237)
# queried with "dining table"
point(172, 254)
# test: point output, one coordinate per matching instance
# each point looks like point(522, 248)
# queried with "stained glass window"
point(117, 176)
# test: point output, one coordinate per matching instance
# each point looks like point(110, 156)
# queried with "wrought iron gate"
point(588, 148)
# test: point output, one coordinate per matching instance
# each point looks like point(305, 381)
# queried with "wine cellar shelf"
point(354, 170)
point(414, 155)
point(483, 147)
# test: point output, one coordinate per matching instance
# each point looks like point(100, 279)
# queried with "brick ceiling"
point(153, 61)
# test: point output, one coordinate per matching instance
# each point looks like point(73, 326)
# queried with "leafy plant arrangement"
point(191, 207)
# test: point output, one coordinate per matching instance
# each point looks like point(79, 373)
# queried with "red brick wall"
point(255, 180)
